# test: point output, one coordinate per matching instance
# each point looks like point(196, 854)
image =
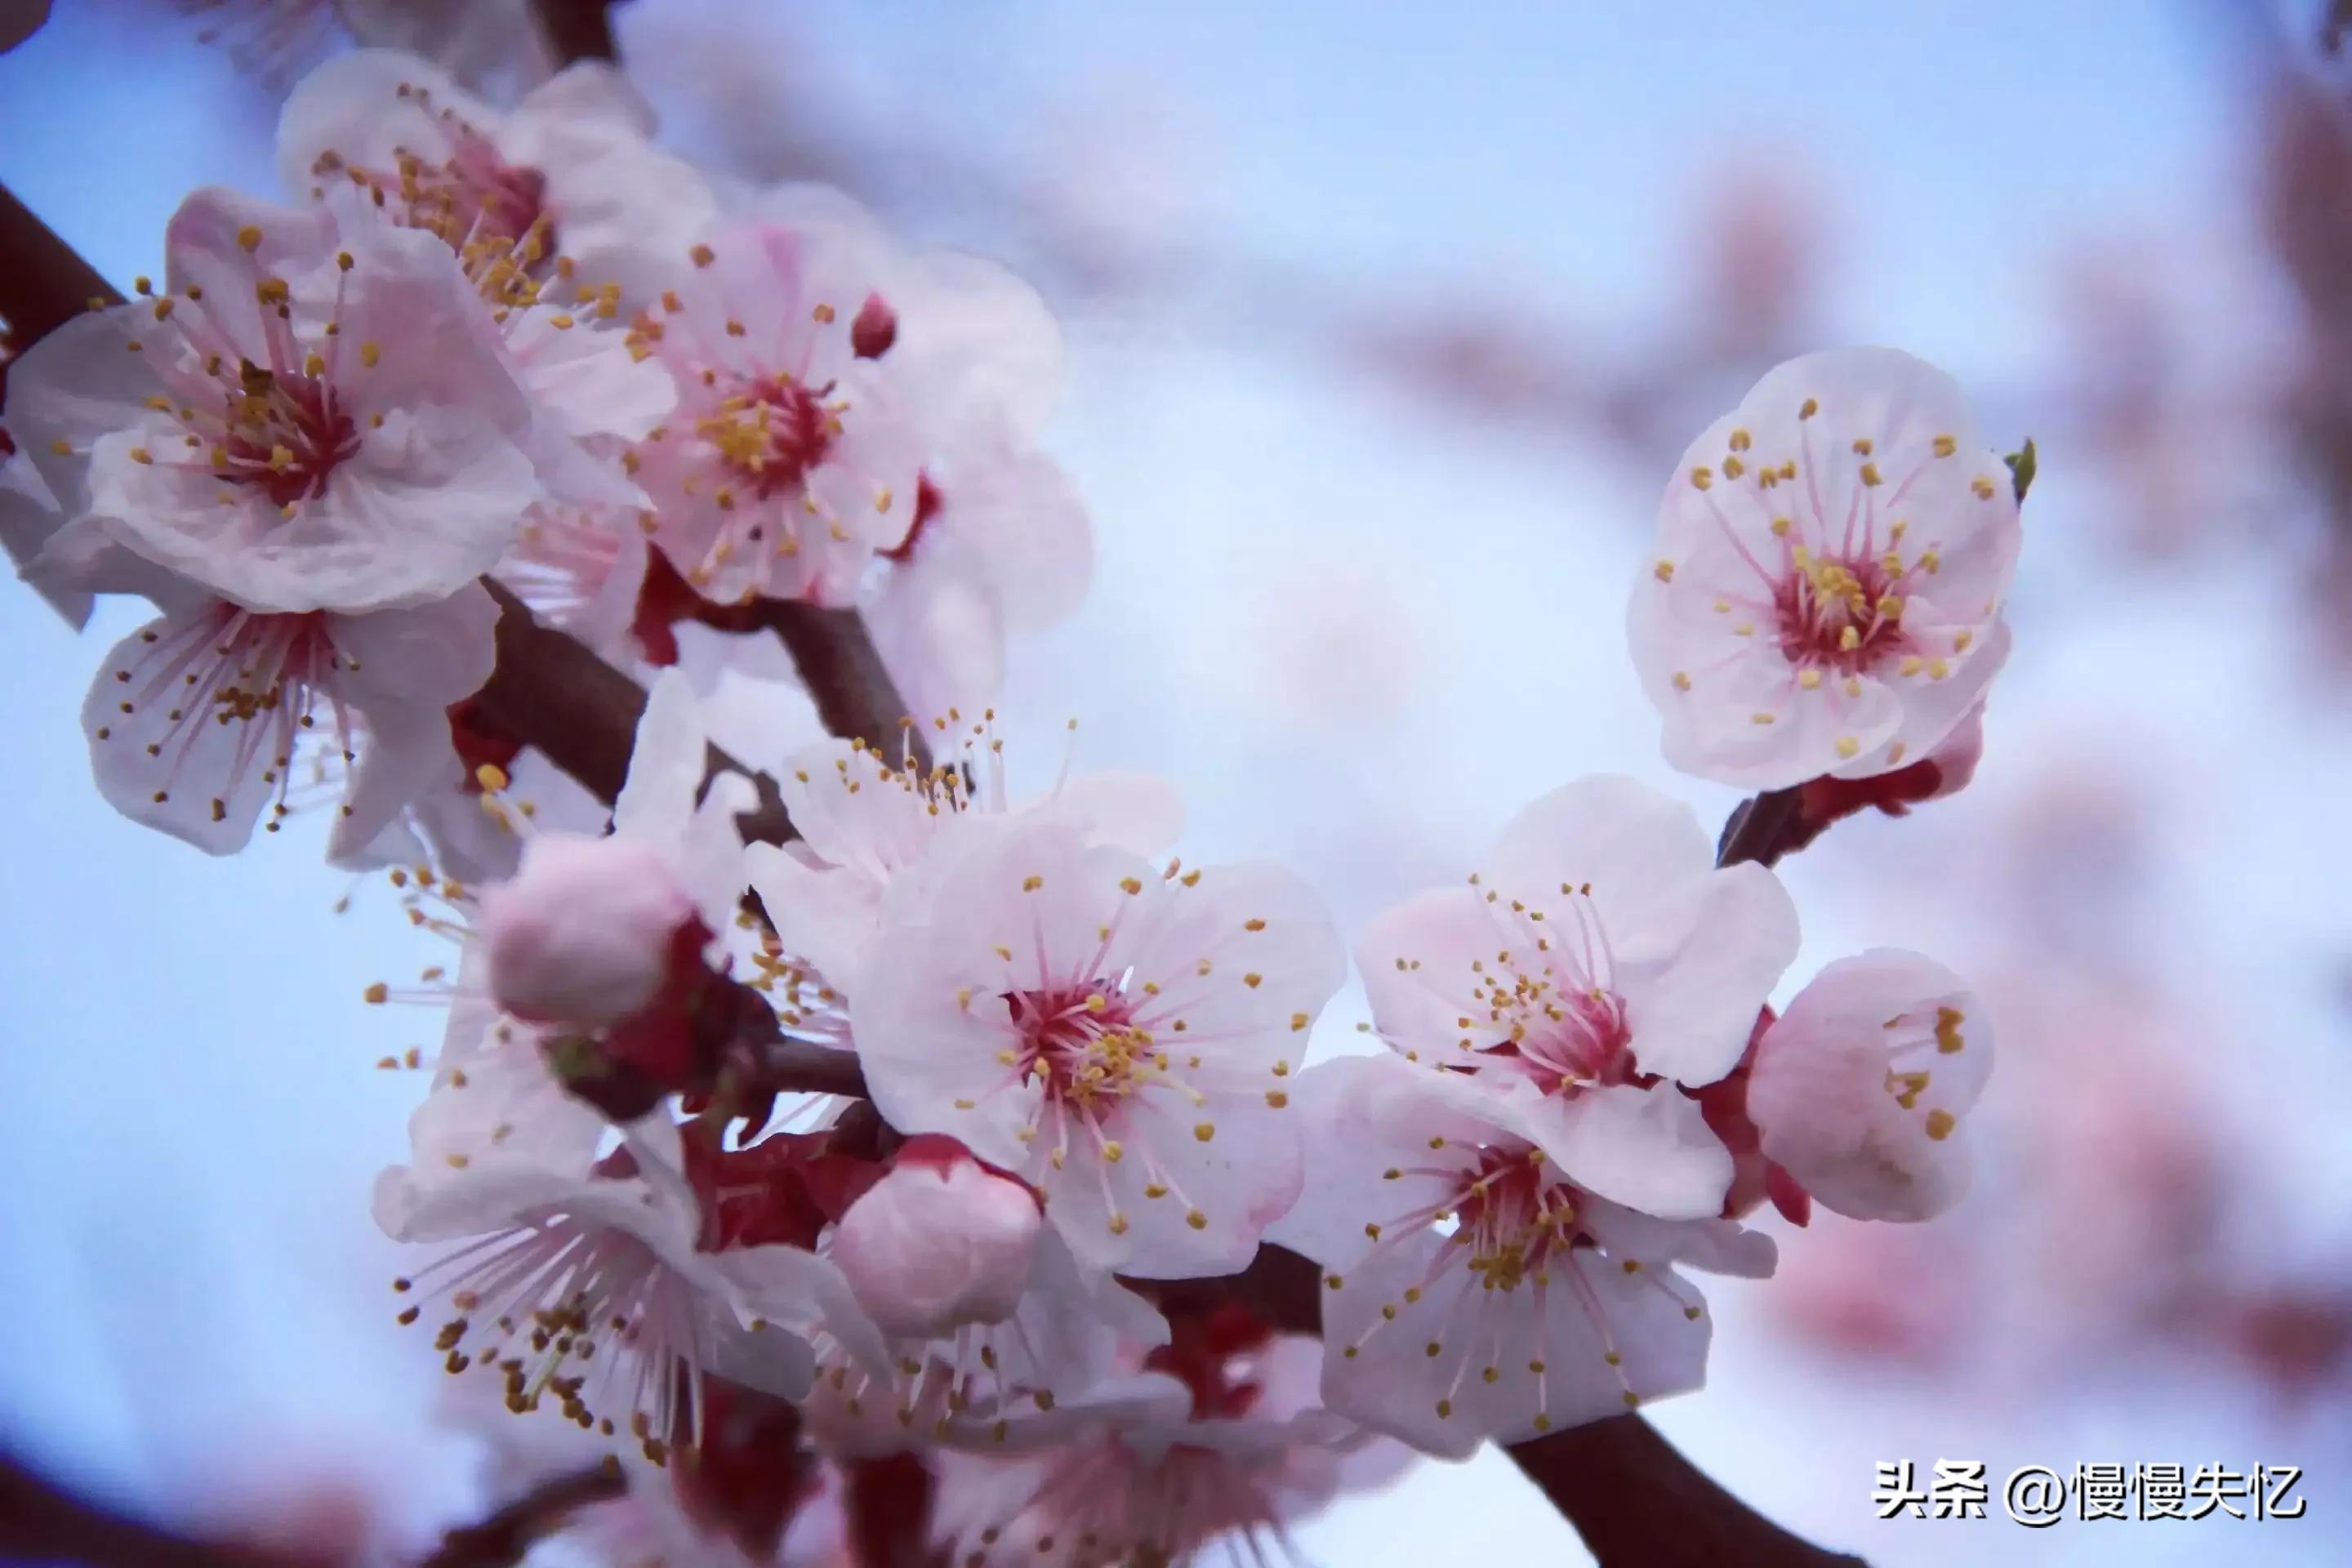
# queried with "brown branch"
point(1639, 1503)
point(49, 283)
point(551, 693)
point(577, 30)
point(844, 672)
point(40, 1522)
point(1760, 828)
point(507, 1536)
point(1633, 1498)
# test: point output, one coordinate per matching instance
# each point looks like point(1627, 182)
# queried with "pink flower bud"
point(586, 932)
point(938, 1243)
point(875, 330)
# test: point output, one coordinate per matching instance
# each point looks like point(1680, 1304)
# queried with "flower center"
point(771, 431)
point(474, 198)
point(283, 434)
point(1841, 614)
point(1513, 1221)
point(1082, 1045)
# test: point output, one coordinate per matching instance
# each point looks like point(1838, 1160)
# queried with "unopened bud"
point(936, 1243)
point(586, 932)
point(875, 330)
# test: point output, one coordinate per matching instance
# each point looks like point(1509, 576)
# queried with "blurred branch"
point(40, 1522)
point(506, 1537)
point(577, 30)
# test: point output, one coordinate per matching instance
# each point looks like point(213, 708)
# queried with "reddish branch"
point(40, 1524)
point(1762, 828)
point(507, 1536)
point(550, 692)
point(577, 29)
point(843, 672)
point(1636, 1501)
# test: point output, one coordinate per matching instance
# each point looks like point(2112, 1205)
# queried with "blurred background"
point(1386, 324)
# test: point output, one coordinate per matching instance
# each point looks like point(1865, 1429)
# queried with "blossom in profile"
point(212, 717)
point(1118, 1035)
point(592, 1285)
point(570, 170)
point(1859, 1088)
point(1823, 593)
point(1474, 1289)
point(1598, 961)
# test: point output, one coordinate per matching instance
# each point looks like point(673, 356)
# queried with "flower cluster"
point(824, 1109)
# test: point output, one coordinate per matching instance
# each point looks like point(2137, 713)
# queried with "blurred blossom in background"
point(1384, 326)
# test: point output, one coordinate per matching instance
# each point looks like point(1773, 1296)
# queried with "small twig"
point(1758, 829)
point(507, 1536)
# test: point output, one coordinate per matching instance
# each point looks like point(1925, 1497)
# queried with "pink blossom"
point(569, 169)
point(315, 415)
point(866, 828)
point(1859, 1086)
point(789, 460)
point(999, 544)
point(1599, 953)
point(583, 1278)
point(581, 568)
point(1238, 1448)
point(1825, 586)
point(211, 717)
point(1059, 1359)
point(939, 1242)
point(1476, 1289)
point(1120, 1037)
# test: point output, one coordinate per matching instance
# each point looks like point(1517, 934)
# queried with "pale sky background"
point(1359, 632)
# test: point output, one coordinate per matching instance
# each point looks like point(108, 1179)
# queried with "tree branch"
point(1758, 829)
point(1639, 1503)
point(551, 693)
point(48, 282)
point(506, 1537)
point(40, 1522)
point(844, 672)
point(577, 30)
